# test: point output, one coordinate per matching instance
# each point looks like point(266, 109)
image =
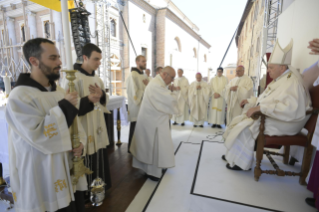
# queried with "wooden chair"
point(286, 141)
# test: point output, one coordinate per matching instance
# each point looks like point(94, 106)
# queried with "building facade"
point(157, 28)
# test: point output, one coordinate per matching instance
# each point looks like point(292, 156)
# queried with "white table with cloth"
point(116, 105)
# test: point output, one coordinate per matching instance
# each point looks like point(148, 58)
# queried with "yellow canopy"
point(53, 4)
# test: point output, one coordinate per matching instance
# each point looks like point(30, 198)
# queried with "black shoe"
point(175, 123)
point(201, 126)
point(224, 158)
point(311, 202)
point(163, 171)
point(183, 124)
point(195, 125)
point(218, 126)
point(153, 178)
point(235, 168)
point(214, 125)
point(293, 161)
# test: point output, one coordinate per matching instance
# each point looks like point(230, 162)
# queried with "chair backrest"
point(311, 123)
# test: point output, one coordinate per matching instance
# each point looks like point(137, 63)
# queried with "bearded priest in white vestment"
point(216, 113)
point(93, 100)
point(39, 115)
point(152, 146)
point(136, 83)
point(198, 96)
point(284, 102)
point(238, 89)
point(181, 85)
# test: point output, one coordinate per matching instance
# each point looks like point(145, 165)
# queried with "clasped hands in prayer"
point(252, 110)
point(234, 88)
point(173, 88)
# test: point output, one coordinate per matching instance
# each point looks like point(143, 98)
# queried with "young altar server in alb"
point(181, 85)
point(93, 100)
point(198, 96)
point(152, 146)
point(39, 114)
point(284, 102)
point(216, 113)
point(136, 83)
point(238, 89)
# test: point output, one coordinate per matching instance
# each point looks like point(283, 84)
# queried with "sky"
point(217, 21)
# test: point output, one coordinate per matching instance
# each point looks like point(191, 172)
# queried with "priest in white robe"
point(93, 100)
point(216, 113)
point(284, 102)
point(39, 115)
point(152, 146)
point(158, 70)
point(238, 89)
point(148, 74)
point(181, 85)
point(136, 83)
point(198, 96)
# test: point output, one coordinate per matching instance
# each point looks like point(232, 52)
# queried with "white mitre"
point(281, 56)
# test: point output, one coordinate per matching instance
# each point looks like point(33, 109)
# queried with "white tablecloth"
point(118, 102)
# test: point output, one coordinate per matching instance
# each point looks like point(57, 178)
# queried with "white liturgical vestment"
point(93, 122)
point(182, 99)
point(135, 91)
point(234, 98)
point(198, 102)
point(39, 144)
point(284, 102)
point(152, 145)
point(216, 113)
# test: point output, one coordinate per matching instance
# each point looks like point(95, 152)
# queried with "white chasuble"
point(285, 102)
point(93, 122)
point(198, 102)
point(182, 99)
point(135, 91)
point(216, 113)
point(152, 145)
point(234, 98)
point(39, 145)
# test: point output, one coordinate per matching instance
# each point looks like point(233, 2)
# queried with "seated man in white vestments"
point(181, 90)
point(152, 146)
point(198, 96)
point(284, 102)
point(216, 113)
point(148, 74)
point(93, 100)
point(238, 89)
point(136, 83)
point(39, 114)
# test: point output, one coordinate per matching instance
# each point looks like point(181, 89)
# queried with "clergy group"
point(42, 116)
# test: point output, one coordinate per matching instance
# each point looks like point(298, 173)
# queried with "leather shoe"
point(218, 126)
point(311, 202)
point(224, 158)
point(174, 123)
point(183, 124)
point(235, 168)
point(201, 126)
point(195, 125)
point(153, 178)
point(214, 125)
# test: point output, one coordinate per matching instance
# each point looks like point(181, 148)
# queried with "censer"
point(97, 194)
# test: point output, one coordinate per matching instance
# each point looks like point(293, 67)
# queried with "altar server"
point(238, 89)
point(136, 83)
point(39, 114)
point(285, 102)
point(93, 100)
point(152, 146)
point(198, 96)
point(181, 85)
point(216, 113)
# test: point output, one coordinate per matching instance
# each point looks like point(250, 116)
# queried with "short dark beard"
point(48, 72)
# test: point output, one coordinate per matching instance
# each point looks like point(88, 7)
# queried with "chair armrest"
point(313, 111)
point(256, 115)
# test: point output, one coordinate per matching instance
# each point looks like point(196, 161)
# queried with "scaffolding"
point(273, 9)
point(104, 41)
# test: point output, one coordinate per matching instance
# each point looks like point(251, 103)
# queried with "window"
point(144, 52)
point(178, 44)
point(205, 58)
point(46, 29)
point(231, 72)
point(23, 33)
point(195, 52)
point(252, 51)
point(251, 20)
point(258, 45)
point(113, 28)
point(144, 18)
point(2, 34)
